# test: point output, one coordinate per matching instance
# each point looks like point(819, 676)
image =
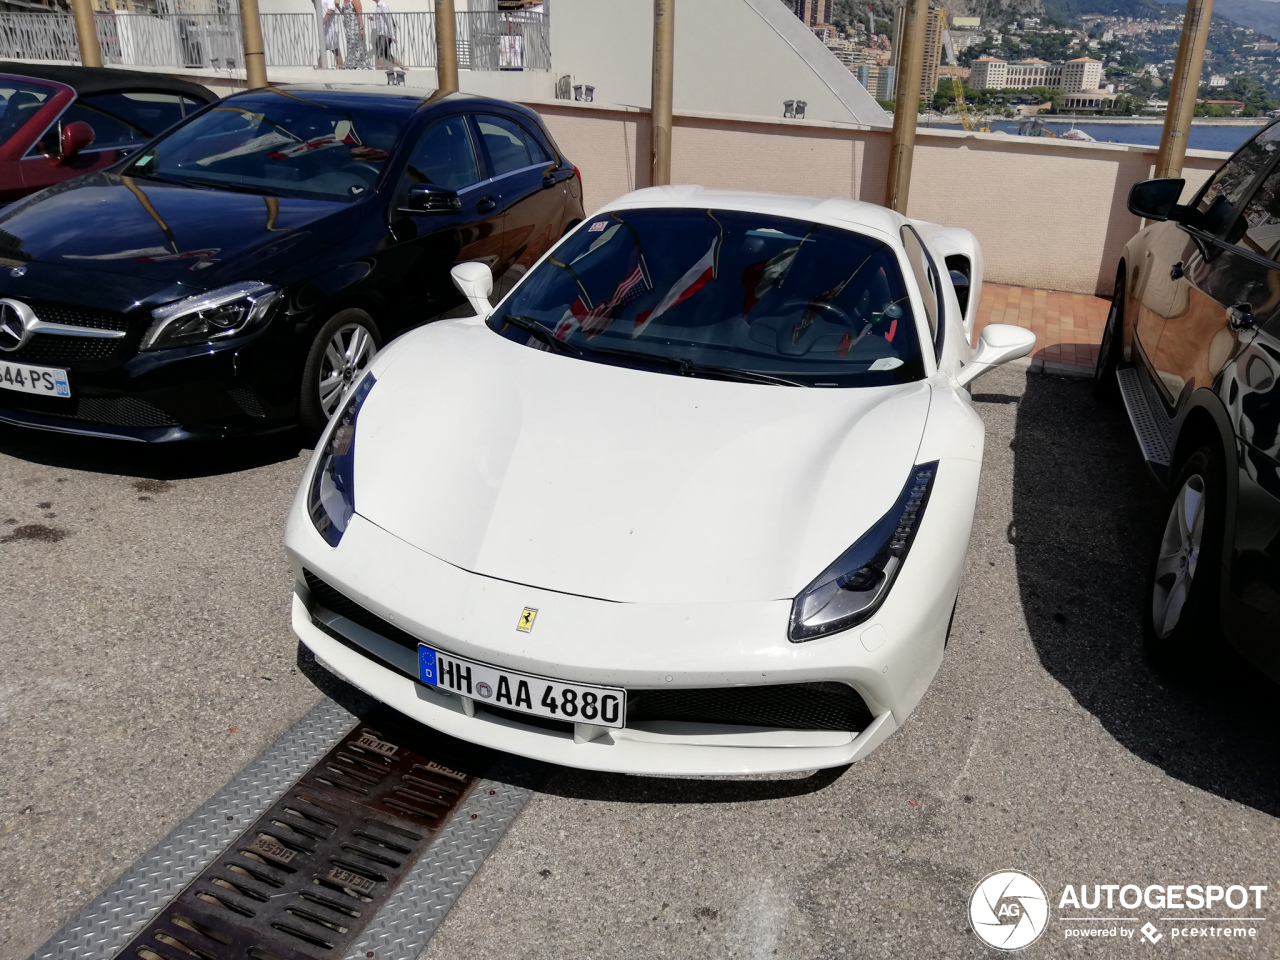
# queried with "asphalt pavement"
point(148, 657)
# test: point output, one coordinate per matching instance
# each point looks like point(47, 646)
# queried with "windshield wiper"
point(541, 333)
point(688, 368)
point(220, 185)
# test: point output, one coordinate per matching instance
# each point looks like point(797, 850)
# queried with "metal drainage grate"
point(304, 880)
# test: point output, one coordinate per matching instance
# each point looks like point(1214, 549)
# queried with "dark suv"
point(1192, 345)
point(236, 274)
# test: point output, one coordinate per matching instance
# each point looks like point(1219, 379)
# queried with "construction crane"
point(962, 108)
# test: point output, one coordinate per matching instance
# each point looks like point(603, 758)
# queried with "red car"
point(58, 122)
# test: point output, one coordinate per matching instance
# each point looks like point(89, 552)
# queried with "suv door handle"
point(1240, 316)
point(486, 205)
point(1176, 272)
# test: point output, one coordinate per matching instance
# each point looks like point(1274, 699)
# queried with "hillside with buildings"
point(1018, 56)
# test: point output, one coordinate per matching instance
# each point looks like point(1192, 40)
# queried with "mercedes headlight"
point(853, 588)
point(225, 312)
point(332, 499)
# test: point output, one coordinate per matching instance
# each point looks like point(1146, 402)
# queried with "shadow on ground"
point(1086, 515)
point(178, 461)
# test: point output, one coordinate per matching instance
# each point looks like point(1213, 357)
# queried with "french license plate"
point(45, 381)
point(523, 692)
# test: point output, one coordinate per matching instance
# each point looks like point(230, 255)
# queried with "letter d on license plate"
point(523, 692)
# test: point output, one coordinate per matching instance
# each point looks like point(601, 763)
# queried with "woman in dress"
point(353, 26)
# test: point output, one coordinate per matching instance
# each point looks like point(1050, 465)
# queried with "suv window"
point(510, 146)
point(1216, 207)
point(927, 280)
point(445, 156)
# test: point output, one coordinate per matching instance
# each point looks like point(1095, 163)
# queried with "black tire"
point(312, 412)
point(1111, 349)
point(1178, 636)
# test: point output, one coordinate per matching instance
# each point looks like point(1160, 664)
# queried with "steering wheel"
point(831, 312)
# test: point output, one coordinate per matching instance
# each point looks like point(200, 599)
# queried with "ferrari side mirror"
point(475, 280)
point(998, 343)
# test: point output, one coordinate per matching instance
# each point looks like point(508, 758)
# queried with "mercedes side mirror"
point(998, 343)
point(427, 198)
point(1156, 199)
point(475, 280)
point(76, 136)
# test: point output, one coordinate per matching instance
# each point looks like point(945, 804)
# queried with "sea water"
point(1202, 137)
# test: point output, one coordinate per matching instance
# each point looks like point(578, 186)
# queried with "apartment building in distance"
point(877, 78)
point(1074, 76)
point(933, 30)
point(813, 13)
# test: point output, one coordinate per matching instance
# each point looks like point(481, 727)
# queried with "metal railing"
point(503, 40)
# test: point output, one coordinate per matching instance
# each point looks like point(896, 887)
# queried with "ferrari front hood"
point(621, 484)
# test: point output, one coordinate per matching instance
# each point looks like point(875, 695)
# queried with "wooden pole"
point(87, 33)
point(1183, 89)
point(255, 61)
point(664, 43)
point(906, 105)
point(446, 48)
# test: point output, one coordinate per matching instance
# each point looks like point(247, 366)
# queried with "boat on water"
point(1034, 127)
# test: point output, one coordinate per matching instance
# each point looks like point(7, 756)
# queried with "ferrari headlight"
point(852, 589)
point(215, 315)
point(332, 498)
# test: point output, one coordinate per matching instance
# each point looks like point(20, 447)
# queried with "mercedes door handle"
point(1240, 316)
point(486, 205)
point(1176, 272)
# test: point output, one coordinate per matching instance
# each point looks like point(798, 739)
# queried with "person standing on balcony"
point(353, 27)
point(384, 29)
point(332, 32)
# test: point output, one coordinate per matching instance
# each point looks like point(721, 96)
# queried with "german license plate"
point(523, 692)
point(45, 381)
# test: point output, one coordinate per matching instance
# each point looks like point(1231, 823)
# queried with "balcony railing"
point(515, 40)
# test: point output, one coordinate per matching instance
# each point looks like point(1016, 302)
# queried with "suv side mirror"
point(427, 198)
point(76, 136)
point(1156, 199)
point(475, 280)
point(998, 343)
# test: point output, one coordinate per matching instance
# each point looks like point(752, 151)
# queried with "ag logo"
point(1008, 910)
point(527, 616)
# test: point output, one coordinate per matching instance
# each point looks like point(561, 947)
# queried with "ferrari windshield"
point(724, 294)
point(279, 145)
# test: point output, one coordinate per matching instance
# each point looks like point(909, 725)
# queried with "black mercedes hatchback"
point(235, 275)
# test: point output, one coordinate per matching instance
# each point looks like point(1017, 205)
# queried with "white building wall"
point(734, 57)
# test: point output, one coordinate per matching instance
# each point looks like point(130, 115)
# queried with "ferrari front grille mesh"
point(344, 606)
point(786, 706)
point(305, 878)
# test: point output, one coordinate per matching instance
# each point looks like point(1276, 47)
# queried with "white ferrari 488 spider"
point(694, 498)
